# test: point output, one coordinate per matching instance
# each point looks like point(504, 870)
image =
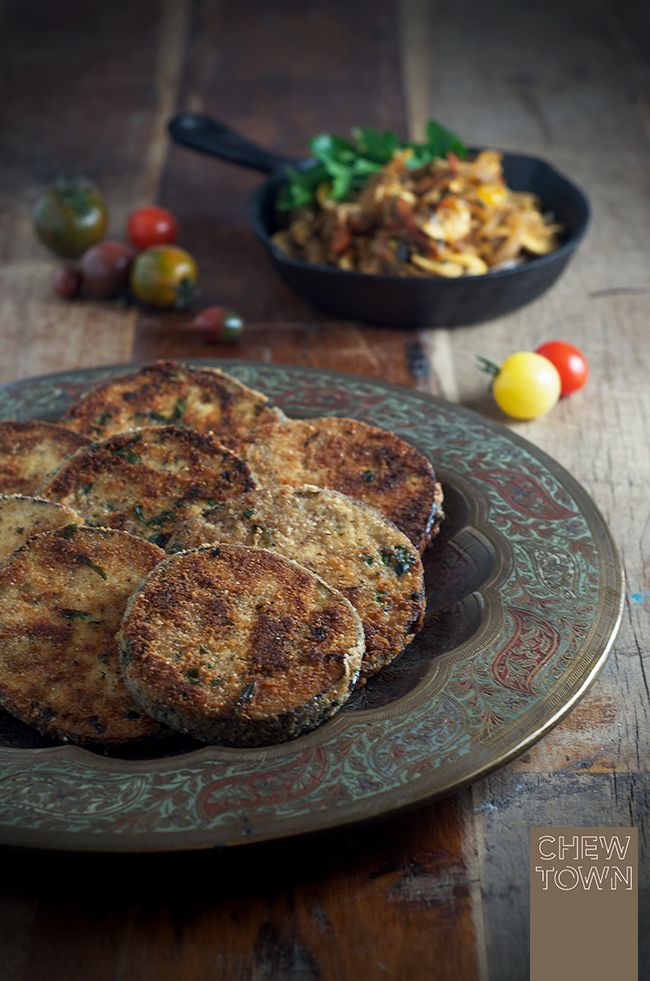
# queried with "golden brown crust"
point(370, 464)
point(349, 544)
point(62, 596)
point(147, 480)
point(167, 392)
point(30, 450)
point(21, 517)
point(239, 646)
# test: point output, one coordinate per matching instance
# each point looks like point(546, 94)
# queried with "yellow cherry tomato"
point(527, 385)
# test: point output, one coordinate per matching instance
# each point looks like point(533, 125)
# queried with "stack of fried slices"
point(176, 554)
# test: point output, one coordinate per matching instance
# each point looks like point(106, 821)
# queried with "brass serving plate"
point(524, 598)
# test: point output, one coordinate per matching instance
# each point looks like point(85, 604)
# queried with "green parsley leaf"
point(159, 519)
point(127, 454)
point(84, 560)
point(68, 531)
point(79, 615)
point(346, 164)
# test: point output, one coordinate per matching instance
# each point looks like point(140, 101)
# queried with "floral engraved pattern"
point(524, 593)
point(532, 644)
point(81, 799)
point(525, 495)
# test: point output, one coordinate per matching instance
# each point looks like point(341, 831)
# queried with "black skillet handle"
point(209, 136)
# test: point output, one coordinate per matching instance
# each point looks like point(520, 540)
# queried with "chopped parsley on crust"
point(239, 646)
point(21, 517)
point(352, 546)
point(146, 481)
point(62, 596)
point(30, 450)
point(170, 393)
point(371, 464)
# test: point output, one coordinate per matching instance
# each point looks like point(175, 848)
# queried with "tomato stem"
point(489, 367)
point(186, 293)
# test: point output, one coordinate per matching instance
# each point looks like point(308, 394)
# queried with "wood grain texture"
point(442, 892)
point(299, 909)
point(310, 43)
point(553, 70)
point(88, 87)
point(502, 808)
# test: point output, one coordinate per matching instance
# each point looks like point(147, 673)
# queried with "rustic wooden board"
point(296, 909)
point(552, 77)
point(89, 87)
point(441, 892)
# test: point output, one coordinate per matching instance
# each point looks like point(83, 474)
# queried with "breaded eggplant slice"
point(21, 517)
point(167, 392)
point(347, 543)
point(145, 481)
point(371, 464)
point(62, 597)
point(30, 450)
point(239, 646)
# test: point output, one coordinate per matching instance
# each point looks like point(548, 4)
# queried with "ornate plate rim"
point(592, 654)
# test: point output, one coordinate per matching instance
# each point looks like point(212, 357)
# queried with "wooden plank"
point(66, 65)
point(601, 303)
point(334, 345)
point(311, 47)
point(380, 902)
point(504, 818)
point(535, 78)
point(418, 914)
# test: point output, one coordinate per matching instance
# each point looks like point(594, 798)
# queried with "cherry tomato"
point(570, 363)
point(219, 324)
point(66, 282)
point(526, 386)
point(70, 217)
point(105, 268)
point(165, 276)
point(151, 226)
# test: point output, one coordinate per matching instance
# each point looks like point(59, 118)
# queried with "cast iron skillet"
point(395, 300)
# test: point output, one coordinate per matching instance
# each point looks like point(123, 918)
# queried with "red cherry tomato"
point(570, 363)
point(151, 226)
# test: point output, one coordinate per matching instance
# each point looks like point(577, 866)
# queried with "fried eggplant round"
point(239, 646)
point(21, 517)
point(350, 545)
point(170, 393)
point(146, 481)
point(62, 598)
point(346, 455)
point(30, 450)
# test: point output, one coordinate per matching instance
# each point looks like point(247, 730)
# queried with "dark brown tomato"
point(105, 268)
point(66, 282)
point(216, 324)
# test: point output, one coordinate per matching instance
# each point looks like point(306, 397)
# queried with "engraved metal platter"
point(524, 598)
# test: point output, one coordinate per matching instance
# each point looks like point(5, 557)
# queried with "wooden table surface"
point(441, 892)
